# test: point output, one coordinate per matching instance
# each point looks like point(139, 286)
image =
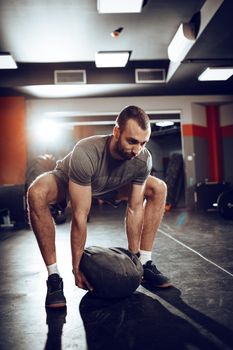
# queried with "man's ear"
point(116, 132)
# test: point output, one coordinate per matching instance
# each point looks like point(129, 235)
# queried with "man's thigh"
point(151, 184)
point(52, 187)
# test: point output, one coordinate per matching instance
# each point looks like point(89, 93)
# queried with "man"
point(112, 168)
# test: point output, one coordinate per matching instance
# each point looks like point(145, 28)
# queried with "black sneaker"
point(154, 277)
point(55, 296)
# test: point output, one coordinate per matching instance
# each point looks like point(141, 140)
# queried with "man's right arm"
point(81, 202)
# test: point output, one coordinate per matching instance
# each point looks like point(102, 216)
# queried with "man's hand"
point(81, 281)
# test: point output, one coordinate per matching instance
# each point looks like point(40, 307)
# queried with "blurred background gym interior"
point(56, 94)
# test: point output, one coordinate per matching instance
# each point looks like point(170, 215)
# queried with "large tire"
point(38, 166)
point(174, 179)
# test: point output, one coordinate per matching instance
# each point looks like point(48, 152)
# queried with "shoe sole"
point(165, 285)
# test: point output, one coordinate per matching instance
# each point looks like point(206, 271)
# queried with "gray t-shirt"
point(90, 163)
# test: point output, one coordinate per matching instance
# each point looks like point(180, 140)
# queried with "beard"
point(122, 153)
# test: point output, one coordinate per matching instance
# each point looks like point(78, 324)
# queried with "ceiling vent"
point(150, 75)
point(70, 77)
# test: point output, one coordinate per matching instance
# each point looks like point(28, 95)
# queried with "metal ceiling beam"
point(207, 12)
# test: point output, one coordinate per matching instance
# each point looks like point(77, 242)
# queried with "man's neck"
point(112, 147)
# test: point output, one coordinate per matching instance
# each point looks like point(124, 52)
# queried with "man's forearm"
point(78, 239)
point(134, 222)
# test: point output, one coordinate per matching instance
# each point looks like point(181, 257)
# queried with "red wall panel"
point(13, 151)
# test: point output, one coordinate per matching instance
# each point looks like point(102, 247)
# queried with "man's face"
point(131, 140)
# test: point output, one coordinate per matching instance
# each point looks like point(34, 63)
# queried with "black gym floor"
point(194, 249)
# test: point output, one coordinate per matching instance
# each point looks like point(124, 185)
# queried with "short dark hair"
point(135, 113)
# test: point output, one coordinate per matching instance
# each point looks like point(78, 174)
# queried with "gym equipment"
point(112, 272)
point(206, 194)
point(12, 206)
point(225, 204)
point(38, 166)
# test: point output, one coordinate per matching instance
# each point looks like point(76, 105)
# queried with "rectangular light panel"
point(7, 62)
point(211, 74)
point(111, 58)
point(119, 6)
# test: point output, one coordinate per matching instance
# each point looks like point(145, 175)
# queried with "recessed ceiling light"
point(165, 123)
point(7, 61)
point(119, 6)
point(115, 33)
point(216, 74)
point(111, 58)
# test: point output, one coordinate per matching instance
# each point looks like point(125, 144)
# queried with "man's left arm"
point(134, 217)
point(81, 202)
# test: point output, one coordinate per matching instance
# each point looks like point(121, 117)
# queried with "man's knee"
point(36, 194)
point(156, 188)
point(42, 191)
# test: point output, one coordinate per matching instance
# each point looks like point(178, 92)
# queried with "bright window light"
point(47, 131)
point(216, 74)
point(165, 123)
point(7, 62)
point(119, 6)
point(111, 58)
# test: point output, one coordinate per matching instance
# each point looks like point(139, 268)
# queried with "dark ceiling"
point(44, 36)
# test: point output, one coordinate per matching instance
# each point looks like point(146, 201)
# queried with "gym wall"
point(193, 119)
point(13, 157)
point(13, 144)
point(192, 111)
point(226, 123)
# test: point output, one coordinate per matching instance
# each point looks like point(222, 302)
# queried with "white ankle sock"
point(52, 269)
point(145, 256)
